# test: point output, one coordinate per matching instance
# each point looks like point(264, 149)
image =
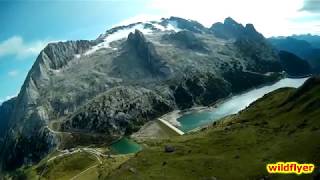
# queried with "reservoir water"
point(125, 146)
point(195, 119)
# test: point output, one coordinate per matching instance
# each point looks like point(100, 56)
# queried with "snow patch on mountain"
point(125, 31)
point(171, 26)
point(118, 35)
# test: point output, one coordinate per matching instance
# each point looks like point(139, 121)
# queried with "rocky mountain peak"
point(231, 22)
point(136, 38)
point(185, 24)
point(52, 58)
point(28, 112)
point(60, 53)
point(250, 27)
point(250, 43)
point(251, 32)
point(231, 29)
point(186, 39)
point(147, 51)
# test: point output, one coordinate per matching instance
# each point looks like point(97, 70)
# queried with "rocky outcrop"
point(187, 39)
point(6, 109)
point(250, 43)
point(21, 149)
point(202, 89)
point(230, 29)
point(29, 140)
point(121, 110)
point(263, 56)
point(169, 149)
point(148, 53)
point(54, 57)
point(58, 54)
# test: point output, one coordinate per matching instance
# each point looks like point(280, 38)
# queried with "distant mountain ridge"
point(294, 65)
point(314, 40)
point(174, 63)
point(304, 46)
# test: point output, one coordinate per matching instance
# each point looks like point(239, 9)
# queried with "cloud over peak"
point(16, 46)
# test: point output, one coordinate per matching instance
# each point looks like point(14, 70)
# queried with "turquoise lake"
point(233, 105)
point(125, 146)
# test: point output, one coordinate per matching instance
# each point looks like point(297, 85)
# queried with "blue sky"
point(28, 25)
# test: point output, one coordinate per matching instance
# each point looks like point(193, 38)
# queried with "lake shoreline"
point(176, 117)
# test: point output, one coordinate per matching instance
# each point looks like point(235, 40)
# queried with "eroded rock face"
point(230, 29)
point(265, 58)
point(201, 90)
point(119, 111)
point(28, 140)
point(148, 53)
point(250, 43)
point(21, 149)
point(6, 109)
point(60, 53)
point(119, 86)
point(187, 39)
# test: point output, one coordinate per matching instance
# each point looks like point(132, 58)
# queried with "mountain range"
point(306, 47)
point(106, 88)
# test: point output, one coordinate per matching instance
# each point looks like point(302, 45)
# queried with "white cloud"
point(13, 73)
point(138, 18)
point(271, 17)
point(18, 47)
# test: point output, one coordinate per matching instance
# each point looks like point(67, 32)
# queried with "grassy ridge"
point(282, 126)
point(80, 166)
point(62, 168)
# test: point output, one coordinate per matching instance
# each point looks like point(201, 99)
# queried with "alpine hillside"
point(109, 87)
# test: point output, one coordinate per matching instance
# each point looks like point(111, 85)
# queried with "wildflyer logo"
point(290, 168)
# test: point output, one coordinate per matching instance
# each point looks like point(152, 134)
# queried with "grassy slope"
point(270, 130)
point(61, 168)
point(83, 165)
